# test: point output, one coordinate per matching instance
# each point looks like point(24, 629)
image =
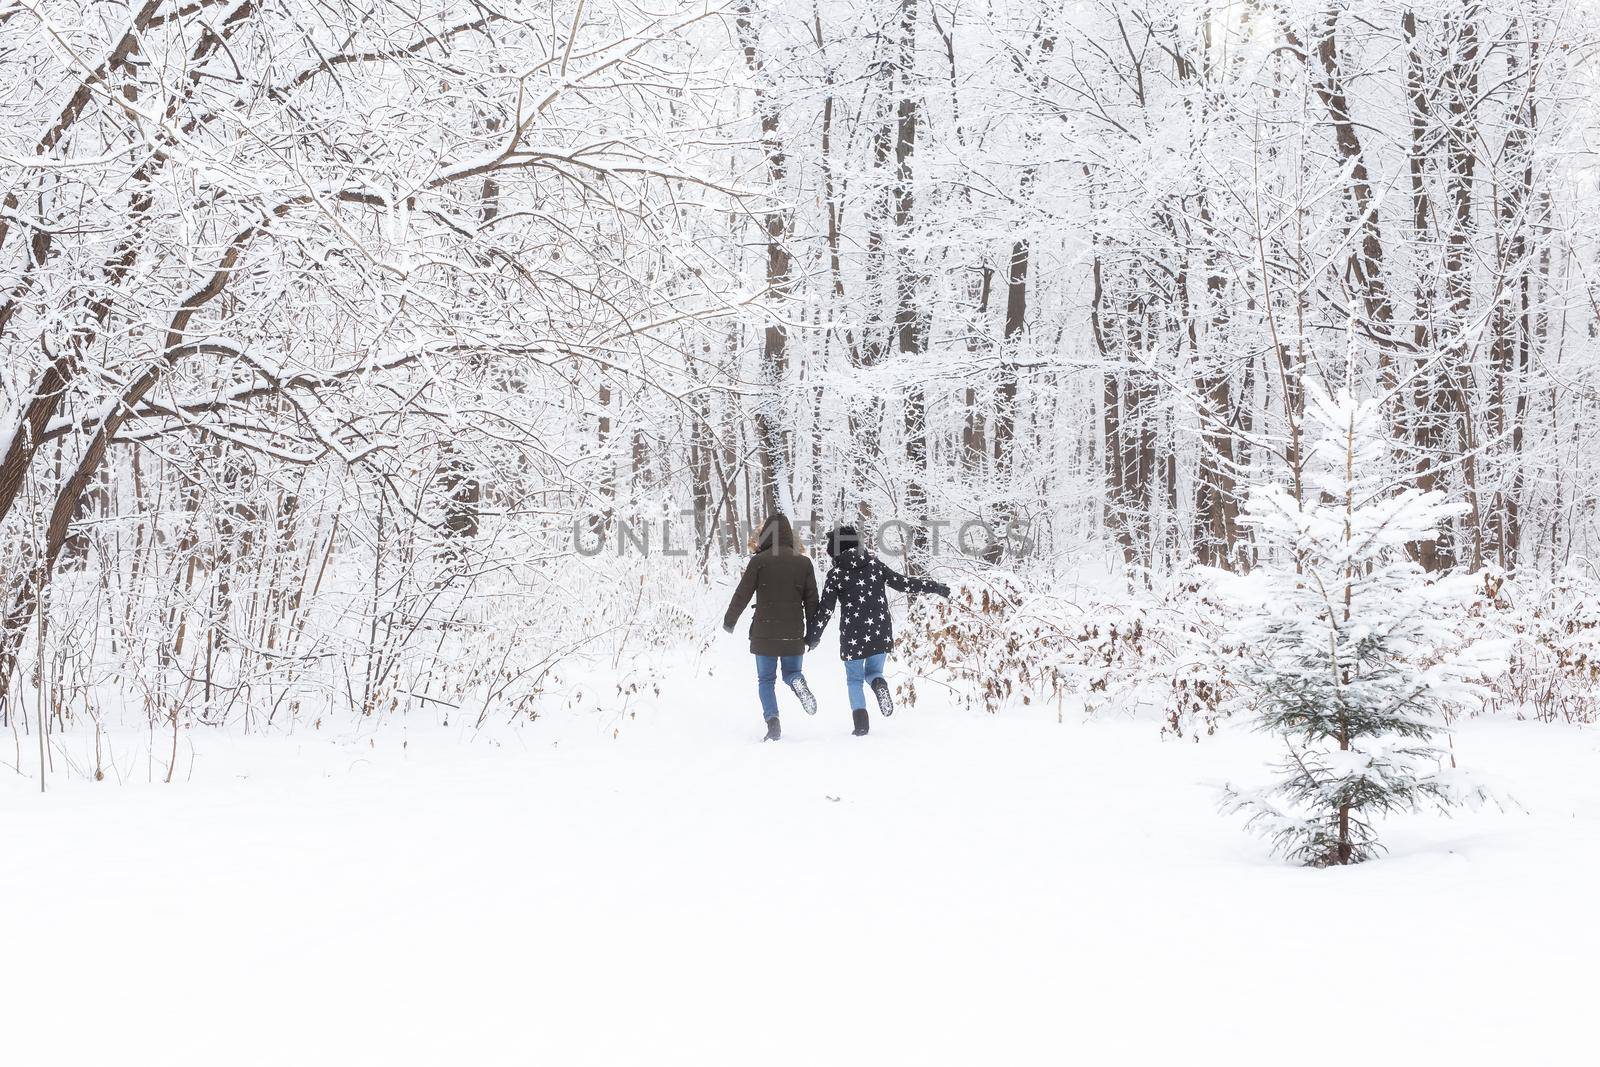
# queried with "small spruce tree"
point(1346, 633)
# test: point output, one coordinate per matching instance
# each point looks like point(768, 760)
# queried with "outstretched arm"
point(809, 595)
point(741, 597)
point(818, 620)
point(899, 581)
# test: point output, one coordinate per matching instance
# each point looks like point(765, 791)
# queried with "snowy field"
point(952, 889)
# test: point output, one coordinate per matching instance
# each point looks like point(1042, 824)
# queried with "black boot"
point(774, 731)
point(803, 691)
point(860, 716)
point(880, 689)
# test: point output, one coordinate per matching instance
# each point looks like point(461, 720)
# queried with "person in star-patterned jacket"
point(857, 584)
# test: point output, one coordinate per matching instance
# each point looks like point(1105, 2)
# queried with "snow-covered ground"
point(953, 889)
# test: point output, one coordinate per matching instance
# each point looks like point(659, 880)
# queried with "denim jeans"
point(767, 680)
point(860, 672)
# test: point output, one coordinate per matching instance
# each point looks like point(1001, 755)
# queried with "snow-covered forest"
point(393, 394)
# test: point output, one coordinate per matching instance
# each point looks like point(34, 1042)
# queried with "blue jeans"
point(859, 673)
point(767, 680)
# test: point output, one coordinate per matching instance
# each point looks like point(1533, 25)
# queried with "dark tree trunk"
point(775, 489)
point(911, 327)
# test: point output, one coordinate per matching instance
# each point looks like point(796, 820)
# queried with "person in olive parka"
point(784, 584)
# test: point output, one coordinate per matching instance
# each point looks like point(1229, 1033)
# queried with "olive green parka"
point(784, 584)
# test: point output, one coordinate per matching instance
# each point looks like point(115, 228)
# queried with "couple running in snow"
point(790, 617)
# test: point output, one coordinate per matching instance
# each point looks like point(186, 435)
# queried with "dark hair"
point(842, 539)
point(776, 534)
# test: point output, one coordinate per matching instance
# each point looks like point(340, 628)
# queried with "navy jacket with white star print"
point(856, 584)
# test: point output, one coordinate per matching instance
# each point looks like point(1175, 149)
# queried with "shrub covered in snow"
point(1010, 640)
point(1552, 635)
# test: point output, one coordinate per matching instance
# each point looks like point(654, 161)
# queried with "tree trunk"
point(911, 327)
point(775, 478)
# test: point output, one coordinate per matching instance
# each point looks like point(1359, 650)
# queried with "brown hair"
point(776, 535)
